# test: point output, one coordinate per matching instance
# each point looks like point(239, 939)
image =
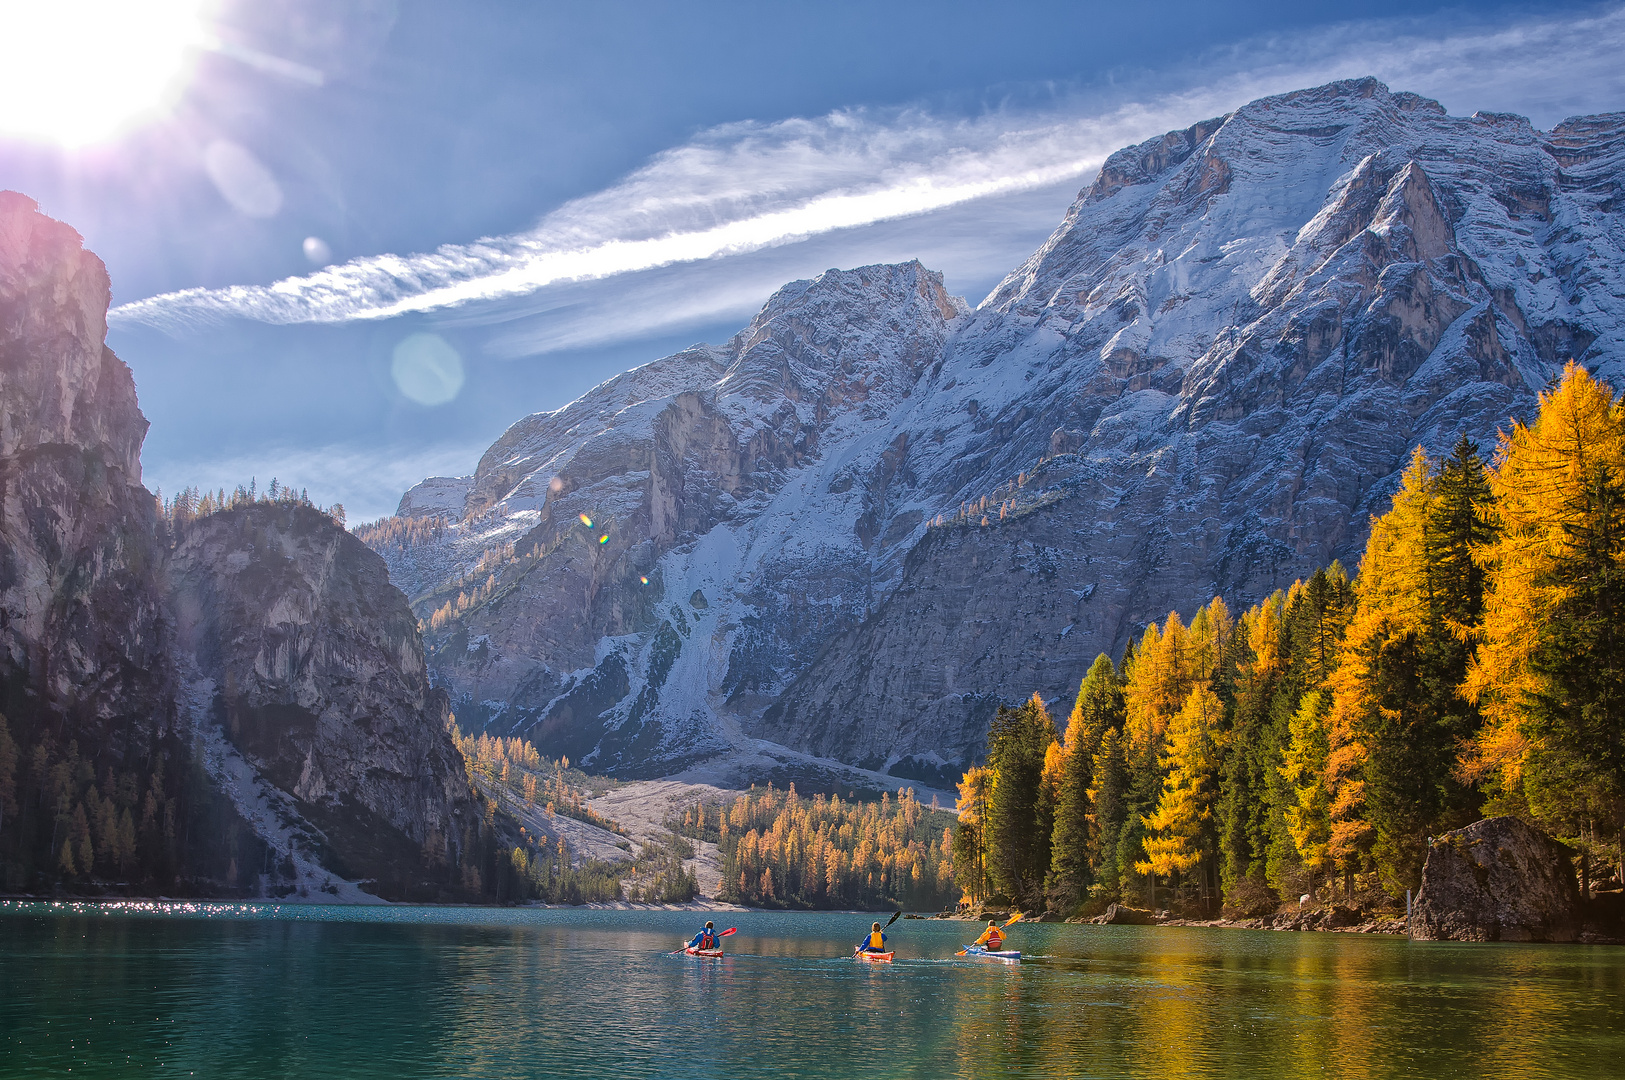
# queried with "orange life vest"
point(877, 941)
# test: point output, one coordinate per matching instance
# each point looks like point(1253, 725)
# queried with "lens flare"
point(644, 580)
point(604, 539)
point(587, 521)
point(427, 369)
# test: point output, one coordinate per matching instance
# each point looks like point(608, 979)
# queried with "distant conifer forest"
point(1314, 744)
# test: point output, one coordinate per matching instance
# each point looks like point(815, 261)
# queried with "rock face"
point(293, 641)
point(244, 714)
point(1497, 880)
point(81, 585)
point(851, 531)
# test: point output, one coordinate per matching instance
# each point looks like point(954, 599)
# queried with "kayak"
point(1006, 954)
point(702, 952)
point(875, 957)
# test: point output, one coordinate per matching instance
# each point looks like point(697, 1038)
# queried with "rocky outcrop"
point(852, 531)
point(246, 714)
point(81, 635)
point(1497, 880)
point(294, 643)
point(1123, 915)
point(98, 786)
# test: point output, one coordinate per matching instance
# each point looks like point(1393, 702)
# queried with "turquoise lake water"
point(261, 991)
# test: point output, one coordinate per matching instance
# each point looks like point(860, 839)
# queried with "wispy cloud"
point(746, 187)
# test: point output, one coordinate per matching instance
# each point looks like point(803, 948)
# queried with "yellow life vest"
point(877, 940)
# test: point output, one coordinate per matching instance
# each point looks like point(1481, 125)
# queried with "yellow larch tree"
point(1547, 672)
point(1390, 602)
point(1181, 831)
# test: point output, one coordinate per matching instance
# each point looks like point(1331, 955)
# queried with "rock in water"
point(1123, 915)
point(311, 663)
point(1497, 880)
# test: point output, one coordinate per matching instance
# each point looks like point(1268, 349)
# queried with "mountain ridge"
point(1203, 383)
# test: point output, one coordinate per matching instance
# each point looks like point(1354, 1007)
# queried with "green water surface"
point(263, 991)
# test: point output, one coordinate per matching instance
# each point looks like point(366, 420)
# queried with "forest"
point(510, 774)
point(780, 850)
point(1317, 742)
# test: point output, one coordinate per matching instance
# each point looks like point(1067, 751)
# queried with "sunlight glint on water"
point(250, 990)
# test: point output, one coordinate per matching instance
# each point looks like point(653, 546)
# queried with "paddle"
point(725, 933)
point(1017, 917)
point(894, 917)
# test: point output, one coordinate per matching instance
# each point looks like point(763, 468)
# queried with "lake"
point(244, 990)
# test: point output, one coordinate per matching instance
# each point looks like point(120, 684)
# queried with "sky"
point(351, 241)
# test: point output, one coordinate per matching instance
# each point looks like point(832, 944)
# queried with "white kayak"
point(1005, 954)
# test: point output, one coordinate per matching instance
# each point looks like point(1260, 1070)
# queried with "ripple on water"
point(259, 989)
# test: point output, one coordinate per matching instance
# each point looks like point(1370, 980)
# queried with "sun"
point(76, 72)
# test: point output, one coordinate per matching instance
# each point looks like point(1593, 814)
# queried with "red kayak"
point(702, 952)
point(875, 957)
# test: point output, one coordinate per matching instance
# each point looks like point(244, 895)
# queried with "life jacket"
point(877, 941)
point(994, 939)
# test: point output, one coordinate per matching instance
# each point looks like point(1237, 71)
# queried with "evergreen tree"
point(1099, 708)
point(1108, 798)
point(1018, 849)
point(1255, 745)
point(970, 843)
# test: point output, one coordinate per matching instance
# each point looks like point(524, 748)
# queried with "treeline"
point(191, 503)
point(1476, 666)
point(518, 766)
point(537, 868)
point(659, 874)
point(780, 850)
point(401, 533)
point(65, 821)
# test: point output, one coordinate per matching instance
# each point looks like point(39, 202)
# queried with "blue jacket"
point(716, 939)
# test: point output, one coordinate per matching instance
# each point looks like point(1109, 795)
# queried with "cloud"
point(748, 187)
point(368, 480)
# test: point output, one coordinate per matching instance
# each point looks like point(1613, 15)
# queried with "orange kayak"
point(876, 957)
point(703, 952)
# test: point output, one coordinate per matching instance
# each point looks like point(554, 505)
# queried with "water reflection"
point(257, 991)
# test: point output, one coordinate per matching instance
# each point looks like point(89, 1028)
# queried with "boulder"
point(1497, 880)
point(1122, 915)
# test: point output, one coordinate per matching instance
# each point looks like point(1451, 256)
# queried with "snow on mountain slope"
point(872, 515)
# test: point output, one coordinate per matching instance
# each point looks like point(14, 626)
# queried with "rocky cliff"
point(238, 708)
point(81, 581)
point(293, 644)
point(846, 534)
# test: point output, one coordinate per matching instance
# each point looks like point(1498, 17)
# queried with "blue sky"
point(542, 195)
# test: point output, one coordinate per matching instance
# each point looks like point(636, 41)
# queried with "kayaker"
point(706, 939)
point(992, 938)
point(875, 942)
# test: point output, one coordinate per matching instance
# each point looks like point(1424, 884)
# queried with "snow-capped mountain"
point(874, 513)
